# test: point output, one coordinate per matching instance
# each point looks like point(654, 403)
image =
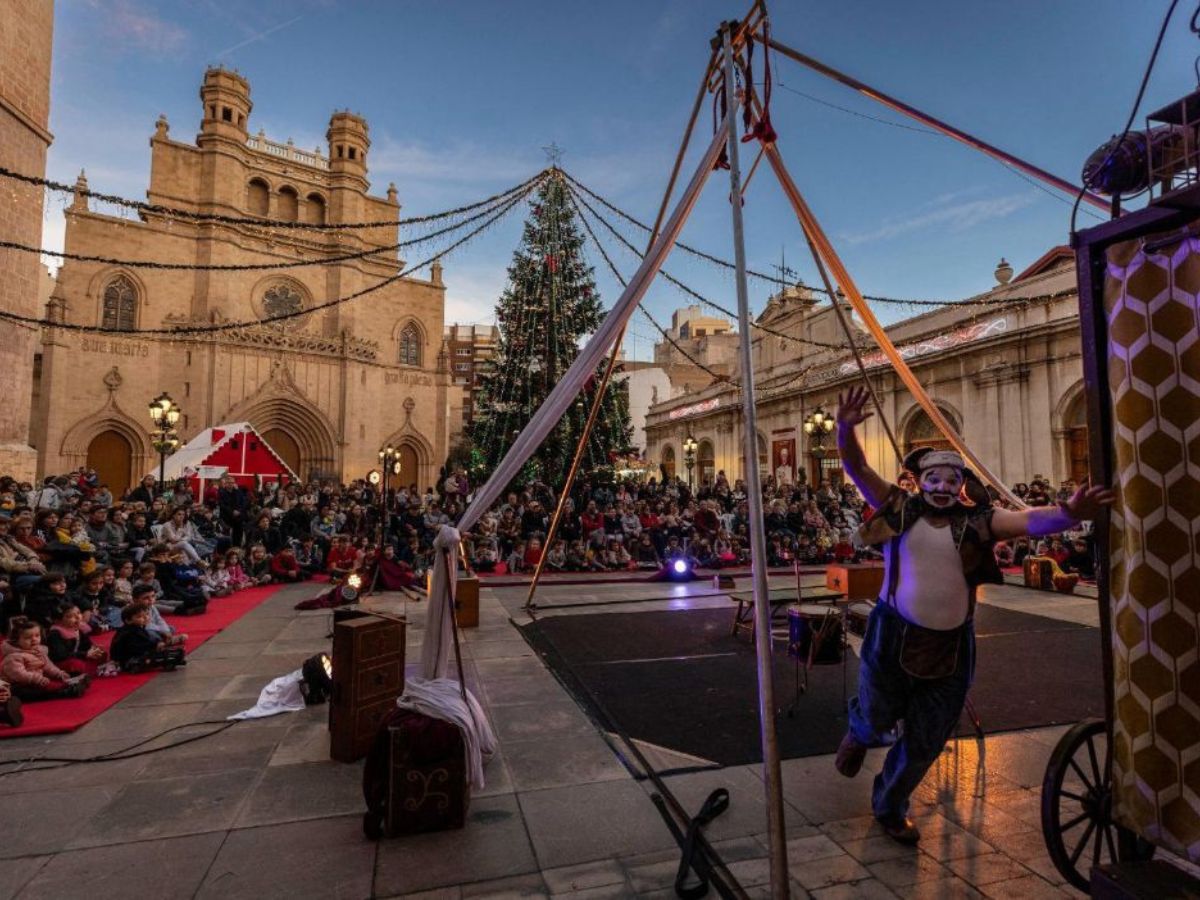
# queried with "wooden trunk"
point(368, 676)
point(466, 599)
point(858, 581)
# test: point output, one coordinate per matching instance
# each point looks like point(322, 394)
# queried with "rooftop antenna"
point(788, 277)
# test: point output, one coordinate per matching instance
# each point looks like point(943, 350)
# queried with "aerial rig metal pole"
point(772, 773)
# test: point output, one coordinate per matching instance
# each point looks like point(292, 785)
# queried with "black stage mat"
point(680, 680)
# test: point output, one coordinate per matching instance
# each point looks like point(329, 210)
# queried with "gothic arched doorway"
point(410, 465)
point(285, 447)
point(110, 454)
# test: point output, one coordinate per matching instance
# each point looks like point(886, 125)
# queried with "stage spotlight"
point(349, 590)
point(679, 567)
point(316, 679)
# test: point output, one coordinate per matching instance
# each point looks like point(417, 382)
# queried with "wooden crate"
point(368, 676)
point(858, 581)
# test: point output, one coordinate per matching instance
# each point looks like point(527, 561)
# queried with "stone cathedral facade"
point(326, 389)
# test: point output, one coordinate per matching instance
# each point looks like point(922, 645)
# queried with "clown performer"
point(918, 653)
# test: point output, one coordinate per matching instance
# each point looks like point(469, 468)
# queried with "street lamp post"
point(165, 415)
point(689, 459)
point(389, 463)
point(817, 425)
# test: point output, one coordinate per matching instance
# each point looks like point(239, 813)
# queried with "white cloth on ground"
point(280, 696)
point(441, 698)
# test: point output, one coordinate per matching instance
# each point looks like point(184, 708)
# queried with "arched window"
point(289, 204)
point(120, 304)
point(921, 432)
point(315, 204)
point(410, 346)
point(258, 197)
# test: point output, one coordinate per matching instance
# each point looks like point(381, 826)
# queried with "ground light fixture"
point(316, 679)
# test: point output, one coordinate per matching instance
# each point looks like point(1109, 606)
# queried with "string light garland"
point(219, 218)
point(252, 267)
point(781, 282)
point(270, 320)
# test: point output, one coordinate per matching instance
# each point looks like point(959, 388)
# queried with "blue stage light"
point(679, 566)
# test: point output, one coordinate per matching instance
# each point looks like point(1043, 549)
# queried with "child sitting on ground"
point(516, 559)
point(158, 627)
point(122, 594)
point(90, 601)
point(285, 569)
point(238, 579)
point(308, 555)
point(69, 646)
point(135, 648)
point(556, 561)
point(576, 557)
point(258, 566)
point(28, 669)
point(146, 576)
point(216, 580)
point(533, 554)
point(180, 583)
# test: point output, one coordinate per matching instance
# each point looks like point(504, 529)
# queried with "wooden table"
point(781, 599)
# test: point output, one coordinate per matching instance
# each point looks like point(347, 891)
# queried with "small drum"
point(856, 617)
point(815, 634)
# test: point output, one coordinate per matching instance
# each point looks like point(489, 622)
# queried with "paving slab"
point(304, 791)
point(31, 827)
point(16, 873)
point(163, 869)
point(168, 807)
point(581, 823)
point(318, 859)
point(493, 844)
point(567, 759)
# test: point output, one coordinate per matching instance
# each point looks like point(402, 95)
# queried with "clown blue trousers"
point(887, 695)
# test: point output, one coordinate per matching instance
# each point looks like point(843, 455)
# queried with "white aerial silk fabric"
point(280, 696)
point(442, 699)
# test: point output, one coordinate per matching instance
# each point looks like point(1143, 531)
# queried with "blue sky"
point(462, 96)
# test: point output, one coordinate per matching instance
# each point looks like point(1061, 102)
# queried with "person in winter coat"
point(69, 646)
point(135, 649)
point(28, 668)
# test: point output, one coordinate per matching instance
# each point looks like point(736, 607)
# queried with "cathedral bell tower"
point(348, 144)
point(225, 96)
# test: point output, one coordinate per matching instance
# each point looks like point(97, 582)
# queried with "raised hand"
point(1087, 502)
point(851, 409)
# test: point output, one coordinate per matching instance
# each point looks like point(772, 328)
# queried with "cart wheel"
point(1077, 819)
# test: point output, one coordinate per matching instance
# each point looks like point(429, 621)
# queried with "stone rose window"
point(281, 300)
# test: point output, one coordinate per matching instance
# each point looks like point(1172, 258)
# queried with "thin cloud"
point(259, 36)
point(956, 217)
point(131, 26)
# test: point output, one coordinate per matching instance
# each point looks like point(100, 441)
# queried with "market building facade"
point(326, 388)
point(1008, 375)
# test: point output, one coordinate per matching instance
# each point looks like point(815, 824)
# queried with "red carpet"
point(58, 716)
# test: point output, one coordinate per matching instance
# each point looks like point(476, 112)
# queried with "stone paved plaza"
point(260, 811)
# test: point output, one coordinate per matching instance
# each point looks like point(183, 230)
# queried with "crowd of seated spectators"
point(75, 560)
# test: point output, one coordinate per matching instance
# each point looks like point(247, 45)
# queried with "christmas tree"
point(548, 307)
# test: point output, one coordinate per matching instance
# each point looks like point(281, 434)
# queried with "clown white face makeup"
point(940, 486)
